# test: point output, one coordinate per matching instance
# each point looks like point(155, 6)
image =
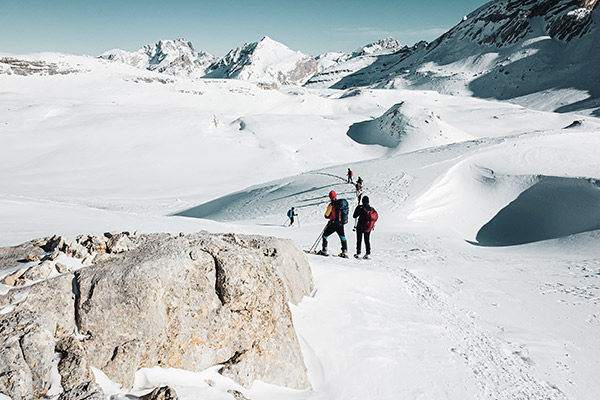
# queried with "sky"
point(217, 26)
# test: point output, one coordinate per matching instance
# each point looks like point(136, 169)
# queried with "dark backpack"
point(369, 220)
point(341, 210)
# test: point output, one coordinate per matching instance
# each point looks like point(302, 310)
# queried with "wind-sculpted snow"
point(553, 207)
point(406, 127)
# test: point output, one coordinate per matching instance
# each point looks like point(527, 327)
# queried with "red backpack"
point(369, 220)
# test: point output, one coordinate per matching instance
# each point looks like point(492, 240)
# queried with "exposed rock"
point(27, 336)
point(188, 302)
point(161, 393)
point(38, 272)
point(52, 256)
point(54, 243)
point(16, 379)
point(32, 257)
point(109, 235)
point(11, 280)
point(72, 367)
point(61, 268)
point(85, 391)
point(75, 249)
point(292, 265)
point(203, 299)
point(120, 243)
point(93, 243)
point(237, 395)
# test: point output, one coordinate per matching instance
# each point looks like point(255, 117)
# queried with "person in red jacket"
point(335, 213)
point(366, 219)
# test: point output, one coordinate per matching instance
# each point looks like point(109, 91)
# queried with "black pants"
point(291, 221)
point(359, 235)
point(335, 228)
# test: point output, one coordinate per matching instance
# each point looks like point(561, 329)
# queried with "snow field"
point(430, 316)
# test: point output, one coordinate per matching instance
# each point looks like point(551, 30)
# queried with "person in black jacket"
point(362, 229)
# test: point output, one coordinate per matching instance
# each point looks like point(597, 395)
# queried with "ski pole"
point(314, 246)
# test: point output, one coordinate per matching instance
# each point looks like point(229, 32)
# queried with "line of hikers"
point(337, 213)
point(358, 185)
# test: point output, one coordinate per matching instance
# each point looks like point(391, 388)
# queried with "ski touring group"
point(337, 214)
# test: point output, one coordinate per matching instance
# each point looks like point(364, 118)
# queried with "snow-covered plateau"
point(484, 281)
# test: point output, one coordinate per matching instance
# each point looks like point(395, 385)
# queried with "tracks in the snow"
point(499, 368)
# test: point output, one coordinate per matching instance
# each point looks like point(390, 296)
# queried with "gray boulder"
point(72, 367)
point(190, 302)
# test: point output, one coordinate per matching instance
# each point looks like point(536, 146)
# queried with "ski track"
point(498, 367)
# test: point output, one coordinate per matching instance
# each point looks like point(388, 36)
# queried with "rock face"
point(189, 302)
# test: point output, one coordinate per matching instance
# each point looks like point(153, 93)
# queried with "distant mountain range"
point(265, 60)
point(173, 57)
point(506, 49)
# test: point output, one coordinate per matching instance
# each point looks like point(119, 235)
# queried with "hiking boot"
point(322, 253)
point(367, 256)
point(357, 255)
point(343, 254)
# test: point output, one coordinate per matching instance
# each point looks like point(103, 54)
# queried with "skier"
point(366, 220)
point(350, 175)
point(291, 214)
point(337, 213)
point(360, 181)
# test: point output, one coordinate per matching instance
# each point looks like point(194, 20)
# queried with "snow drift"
point(553, 207)
point(406, 127)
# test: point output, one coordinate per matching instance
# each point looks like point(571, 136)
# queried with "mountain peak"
point(382, 46)
point(174, 57)
point(265, 60)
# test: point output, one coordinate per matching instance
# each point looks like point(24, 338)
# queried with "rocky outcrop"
point(85, 391)
point(191, 302)
point(161, 393)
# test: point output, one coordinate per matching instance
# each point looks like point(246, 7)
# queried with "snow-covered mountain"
point(332, 67)
point(173, 57)
point(265, 60)
point(262, 61)
point(537, 53)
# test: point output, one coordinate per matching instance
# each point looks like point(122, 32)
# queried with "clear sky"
point(311, 26)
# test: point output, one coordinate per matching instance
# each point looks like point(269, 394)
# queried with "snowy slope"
point(89, 145)
point(172, 57)
point(538, 54)
point(265, 61)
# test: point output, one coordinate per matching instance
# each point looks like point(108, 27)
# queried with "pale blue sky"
point(311, 26)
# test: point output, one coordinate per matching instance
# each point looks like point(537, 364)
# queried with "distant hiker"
point(359, 180)
point(350, 175)
point(337, 213)
point(367, 216)
point(359, 192)
point(291, 214)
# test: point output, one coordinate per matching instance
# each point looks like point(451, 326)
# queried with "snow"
point(431, 316)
